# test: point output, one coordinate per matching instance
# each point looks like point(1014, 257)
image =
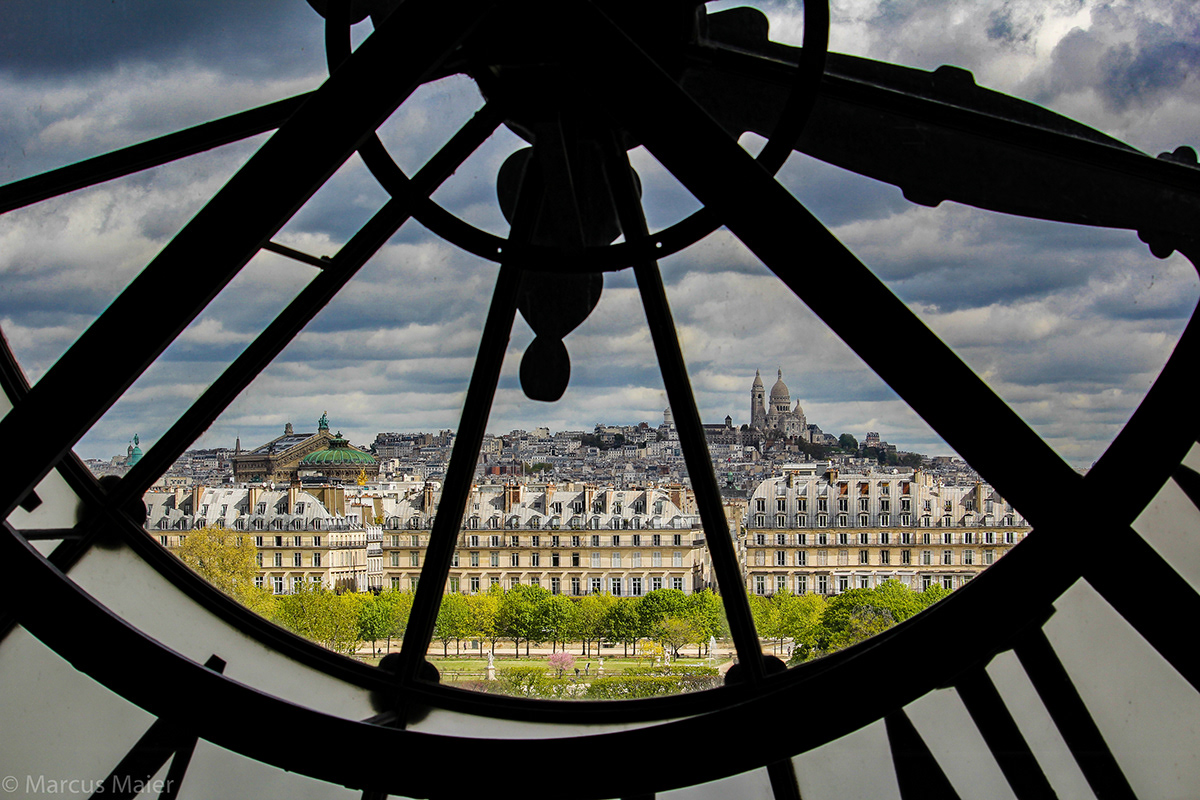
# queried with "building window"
point(595, 541)
point(1010, 537)
point(616, 560)
point(258, 580)
point(258, 559)
point(494, 558)
point(677, 559)
point(781, 558)
point(864, 538)
point(822, 584)
point(636, 560)
point(843, 538)
point(885, 557)
point(801, 584)
point(514, 559)
point(780, 584)
point(535, 559)
point(474, 584)
point(278, 558)
point(677, 539)
point(843, 558)
point(864, 581)
point(575, 590)
point(596, 585)
point(655, 540)
point(885, 537)
point(453, 586)
point(596, 561)
point(989, 556)
point(277, 583)
point(947, 556)
point(968, 557)
point(556, 586)
point(947, 537)
point(414, 558)
point(864, 556)
point(906, 556)
point(968, 537)
point(948, 582)
point(615, 586)
point(454, 559)
point(655, 584)
point(296, 562)
point(635, 587)
point(677, 584)
point(494, 581)
point(656, 559)
point(395, 559)
point(760, 558)
point(760, 584)
point(637, 540)
point(926, 557)
point(843, 583)
point(780, 539)
point(801, 558)
point(474, 558)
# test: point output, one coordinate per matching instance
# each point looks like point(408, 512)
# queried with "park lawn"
point(473, 668)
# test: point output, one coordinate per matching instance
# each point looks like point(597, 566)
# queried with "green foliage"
point(556, 617)
point(528, 681)
point(374, 617)
point(675, 632)
point(848, 443)
point(453, 620)
point(623, 622)
point(318, 614)
point(631, 688)
point(518, 616)
point(225, 559)
point(592, 616)
point(676, 670)
point(863, 623)
point(660, 604)
point(485, 615)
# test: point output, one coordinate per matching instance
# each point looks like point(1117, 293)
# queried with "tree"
point(800, 621)
point(848, 443)
point(453, 621)
point(561, 661)
point(222, 557)
point(321, 615)
point(485, 614)
point(398, 604)
point(556, 615)
point(660, 604)
point(623, 622)
point(374, 617)
point(593, 612)
point(706, 615)
point(519, 618)
point(675, 632)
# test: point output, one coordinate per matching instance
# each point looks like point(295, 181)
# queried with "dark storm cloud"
point(59, 37)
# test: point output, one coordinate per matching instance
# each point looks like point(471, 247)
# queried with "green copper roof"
point(339, 452)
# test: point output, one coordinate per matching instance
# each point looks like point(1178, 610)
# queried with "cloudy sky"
point(1070, 325)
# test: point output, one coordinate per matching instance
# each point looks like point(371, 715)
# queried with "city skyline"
point(1069, 325)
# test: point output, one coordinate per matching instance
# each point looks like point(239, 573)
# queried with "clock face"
point(1059, 670)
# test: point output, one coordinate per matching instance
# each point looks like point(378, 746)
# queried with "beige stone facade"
point(815, 530)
